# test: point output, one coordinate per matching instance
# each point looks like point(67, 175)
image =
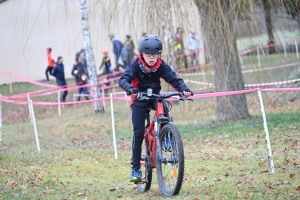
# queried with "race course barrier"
point(210, 85)
point(245, 71)
point(243, 53)
point(196, 96)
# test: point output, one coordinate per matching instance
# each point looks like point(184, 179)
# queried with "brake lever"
point(183, 98)
point(142, 97)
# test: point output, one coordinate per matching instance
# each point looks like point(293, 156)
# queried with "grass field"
point(222, 160)
point(250, 42)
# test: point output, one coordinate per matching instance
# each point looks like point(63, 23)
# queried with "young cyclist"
point(143, 73)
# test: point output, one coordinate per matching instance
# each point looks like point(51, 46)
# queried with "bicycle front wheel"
point(170, 169)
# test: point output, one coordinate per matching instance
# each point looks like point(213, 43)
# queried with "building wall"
point(29, 26)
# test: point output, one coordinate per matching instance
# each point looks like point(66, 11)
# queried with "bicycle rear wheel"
point(170, 169)
point(145, 168)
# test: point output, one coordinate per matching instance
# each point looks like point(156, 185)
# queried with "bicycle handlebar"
point(145, 95)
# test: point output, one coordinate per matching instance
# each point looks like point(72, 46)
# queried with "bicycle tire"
point(145, 168)
point(170, 170)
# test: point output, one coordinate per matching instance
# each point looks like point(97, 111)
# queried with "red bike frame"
point(151, 134)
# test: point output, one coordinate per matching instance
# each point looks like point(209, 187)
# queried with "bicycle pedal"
point(168, 150)
point(140, 182)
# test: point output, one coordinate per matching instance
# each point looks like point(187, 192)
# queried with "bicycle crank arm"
point(169, 161)
point(140, 182)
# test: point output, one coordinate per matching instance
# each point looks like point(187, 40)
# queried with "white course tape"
point(244, 71)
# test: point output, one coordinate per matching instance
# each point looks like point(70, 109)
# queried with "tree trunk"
point(268, 19)
point(298, 20)
point(167, 34)
point(217, 18)
point(98, 106)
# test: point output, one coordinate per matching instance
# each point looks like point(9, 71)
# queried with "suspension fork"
point(158, 142)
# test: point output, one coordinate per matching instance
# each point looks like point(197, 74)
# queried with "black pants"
point(83, 91)
point(48, 69)
point(139, 110)
point(64, 93)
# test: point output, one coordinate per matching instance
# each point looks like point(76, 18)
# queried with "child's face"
point(151, 58)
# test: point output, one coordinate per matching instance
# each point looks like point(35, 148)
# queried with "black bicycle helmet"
point(150, 44)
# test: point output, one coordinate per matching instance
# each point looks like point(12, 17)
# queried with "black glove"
point(188, 90)
point(132, 91)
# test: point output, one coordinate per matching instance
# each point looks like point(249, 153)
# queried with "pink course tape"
point(196, 96)
point(51, 89)
point(109, 75)
point(32, 81)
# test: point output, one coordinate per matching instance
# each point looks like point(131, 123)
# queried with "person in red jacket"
point(143, 73)
point(51, 63)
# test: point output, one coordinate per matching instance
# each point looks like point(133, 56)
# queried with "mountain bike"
point(162, 147)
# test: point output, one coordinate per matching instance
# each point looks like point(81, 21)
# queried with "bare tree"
point(167, 33)
point(218, 18)
point(267, 6)
point(160, 17)
point(98, 106)
point(293, 9)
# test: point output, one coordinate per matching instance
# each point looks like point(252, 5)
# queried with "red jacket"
point(51, 62)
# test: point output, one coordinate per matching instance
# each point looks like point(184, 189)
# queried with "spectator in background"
point(117, 47)
point(178, 38)
point(80, 73)
point(178, 48)
point(194, 46)
point(129, 48)
point(83, 58)
point(178, 52)
point(51, 63)
point(106, 64)
point(59, 73)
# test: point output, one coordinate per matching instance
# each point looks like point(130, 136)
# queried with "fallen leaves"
point(11, 183)
point(80, 194)
point(5, 171)
point(292, 175)
point(47, 192)
point(270, 186)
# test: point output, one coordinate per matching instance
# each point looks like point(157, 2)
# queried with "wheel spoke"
point(170, 168)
